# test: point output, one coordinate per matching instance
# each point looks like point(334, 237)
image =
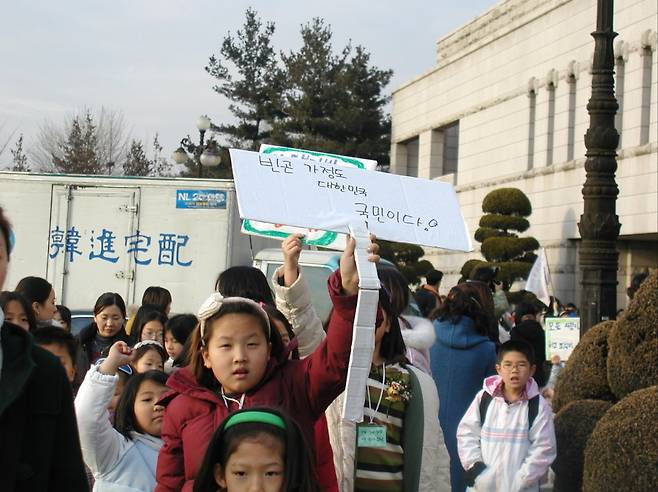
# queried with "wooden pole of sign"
point(363, 339)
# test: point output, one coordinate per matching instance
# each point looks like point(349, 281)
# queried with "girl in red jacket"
point(232, 366)
point(257, 449)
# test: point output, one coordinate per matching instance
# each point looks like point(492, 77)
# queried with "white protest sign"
point(562, 336)
point(303, 193)
point(312, 237)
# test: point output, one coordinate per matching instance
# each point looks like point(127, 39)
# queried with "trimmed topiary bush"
point(584, 376)
point(505, 222)
point(633, 353)
point(573, 426)
point(507, 201)
point(483, 233)
point(622, 452)
point(469, 266)
point(505, 211)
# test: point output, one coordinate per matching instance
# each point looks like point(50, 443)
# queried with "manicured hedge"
point(573, 426)
point(633, 358)
point(622, 452)
point(585, 376)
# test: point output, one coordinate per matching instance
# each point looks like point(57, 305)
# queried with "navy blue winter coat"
point(460, 358)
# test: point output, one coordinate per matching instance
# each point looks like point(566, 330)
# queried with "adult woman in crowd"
point(461, 358)
point(106, 328)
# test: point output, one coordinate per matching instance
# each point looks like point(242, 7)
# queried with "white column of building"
point(430, 154)
point(398, 158)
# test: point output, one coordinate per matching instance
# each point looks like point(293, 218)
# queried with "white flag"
point(539, 279)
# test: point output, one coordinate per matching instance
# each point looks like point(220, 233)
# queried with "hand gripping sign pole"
point(363, 338)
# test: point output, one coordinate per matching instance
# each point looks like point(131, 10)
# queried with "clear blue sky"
point(146, 58)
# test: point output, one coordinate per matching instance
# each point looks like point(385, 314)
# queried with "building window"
point(620, 68)
point(532, 96)
point(412, 157)
point(450, 149)
point(647, 60)
point(550, 131)
point(571, 124)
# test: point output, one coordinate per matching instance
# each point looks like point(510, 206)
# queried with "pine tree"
point(314, 98)
point(136, 163)
point(254, 91)
point(313, 94)
point(18, 157)
point(78, 152)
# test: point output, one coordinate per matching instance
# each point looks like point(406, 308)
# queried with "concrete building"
point(505, 106)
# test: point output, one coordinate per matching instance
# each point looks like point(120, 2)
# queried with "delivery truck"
point(93, 234)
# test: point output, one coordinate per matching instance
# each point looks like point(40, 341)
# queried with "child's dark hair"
point(244, 281)
point(7, 296)
point(465, 299)
point(124, 417)
point(146, 313)
point(202, 374)
point(34, 289)
point(276, 315)
point(392, 348)
point(110, 299)
point(158, 296)
point(53, 335)
point(520, 346)
point(181, 327)
point(65, 314)
point(255, 424)
point(524, 308)
point(143, 348)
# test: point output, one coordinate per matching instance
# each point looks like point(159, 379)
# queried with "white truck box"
point(93, 234)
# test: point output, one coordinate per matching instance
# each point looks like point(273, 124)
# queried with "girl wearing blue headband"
point(257, 449)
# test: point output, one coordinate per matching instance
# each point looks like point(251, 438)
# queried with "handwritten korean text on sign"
point(324, 196)
point(562, 336)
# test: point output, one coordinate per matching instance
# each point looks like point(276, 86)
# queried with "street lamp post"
point(207, 155)
point(599, 224)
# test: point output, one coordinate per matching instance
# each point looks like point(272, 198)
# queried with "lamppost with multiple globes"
point(208, 155)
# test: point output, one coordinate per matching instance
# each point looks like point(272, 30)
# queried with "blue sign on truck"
point(200, 199)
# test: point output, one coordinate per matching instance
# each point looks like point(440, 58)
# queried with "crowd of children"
point(247, 393)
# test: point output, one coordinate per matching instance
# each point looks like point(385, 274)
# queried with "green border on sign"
point(325, 240)
point(347, 160)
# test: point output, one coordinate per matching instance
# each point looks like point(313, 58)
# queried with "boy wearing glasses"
point(506, 439)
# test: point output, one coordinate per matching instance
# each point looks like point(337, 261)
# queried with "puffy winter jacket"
point(418, 336)
point(517, 458)
point(118, 464)
point(301, 388)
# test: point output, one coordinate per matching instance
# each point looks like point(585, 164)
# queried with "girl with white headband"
point(233, 367)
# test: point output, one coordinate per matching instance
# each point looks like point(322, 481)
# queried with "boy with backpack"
point(506, 439)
